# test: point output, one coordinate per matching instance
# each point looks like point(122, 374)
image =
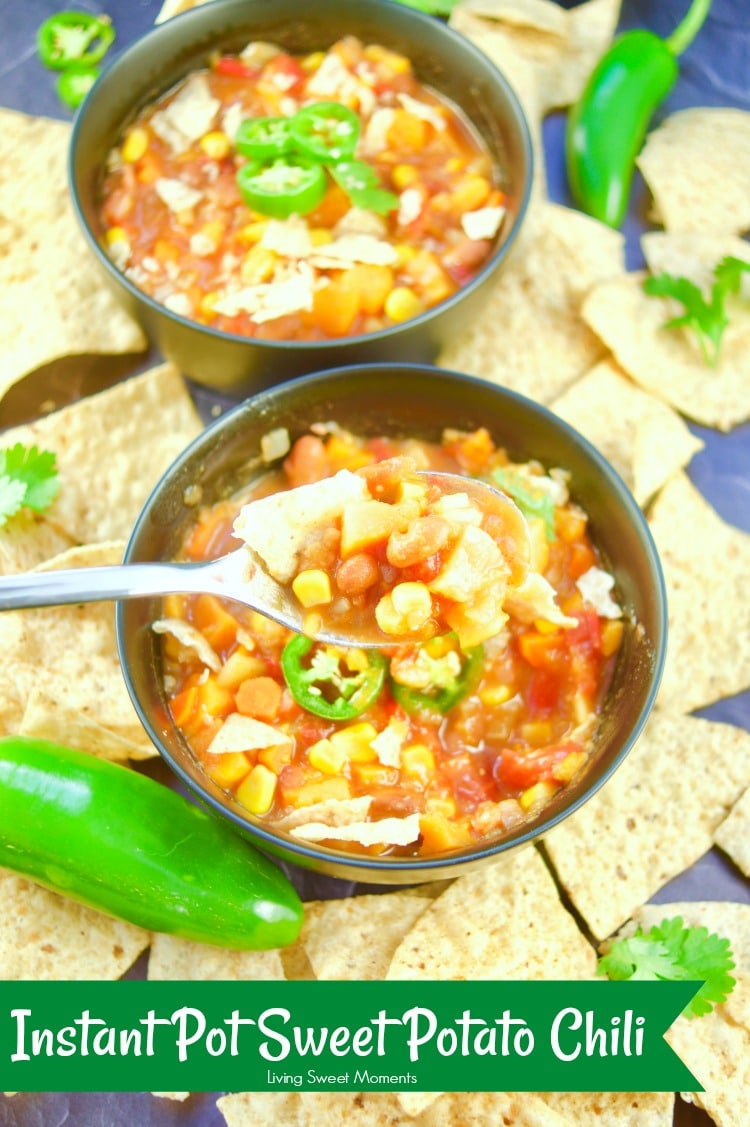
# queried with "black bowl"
point(420, 401)
point(441, 57)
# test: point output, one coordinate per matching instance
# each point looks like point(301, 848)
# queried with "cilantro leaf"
point(672, 951)
point(531, 502)
point(706, 318)
point(28, 478)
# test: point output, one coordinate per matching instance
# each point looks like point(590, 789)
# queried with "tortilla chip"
point(530, 336)
point(697, 165)
point(724, 918)
point(560, 46)
point(27, 539)
point(733, 835)
point(355, 938)
point(173, 8)
point(644, 439)
point(55, 303)
point(716, 1049)
point(49, 716)
point(381, 1109)
point(182, 960)
point(68, 654)
point(706, 563)
point(46, 936)
point(669, 362)
point(180, 1096)
point(694, 255)
point(652, 820)
point(613, 1109)
point(111, 449)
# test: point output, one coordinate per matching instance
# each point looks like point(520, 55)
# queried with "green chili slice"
point(282, 189)
point(74, 37)
point(263, 138)
point(326, 131)
point(448, 688)
point(319, 685)
point(74, 84)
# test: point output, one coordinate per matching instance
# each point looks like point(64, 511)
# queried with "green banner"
point(348, 1036)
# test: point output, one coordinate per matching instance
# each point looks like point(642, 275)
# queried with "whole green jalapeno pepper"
point(119, 842)
point(607, 126)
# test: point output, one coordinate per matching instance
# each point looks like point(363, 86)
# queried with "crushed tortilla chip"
point(651, 820)
point(530, 336)
point(642, 437)
point(706, 563)
point(181, 960)
point(733, 835)
point(355, 938)
point(697, 165)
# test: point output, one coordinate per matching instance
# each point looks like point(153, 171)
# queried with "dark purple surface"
point(714, 72)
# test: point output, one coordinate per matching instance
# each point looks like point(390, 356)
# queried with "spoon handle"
point(97, 584)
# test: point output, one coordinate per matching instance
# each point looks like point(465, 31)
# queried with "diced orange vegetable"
point(570, 525)
point(260, 698)
point(373, 775)
point(276, 758)
point(335, 308)
point(407, 133)
point(372, 283)
point(470, 193)
point(439, 834)
point(213, 699)
point(333, 206)
point(166, 251)
point(581, 559)
point(542, 651)
point(432, 281)
point(239, 666)
point(217, 625)
point(612, 631)
point(229, 769)
point(184, 706)
point(318, 790)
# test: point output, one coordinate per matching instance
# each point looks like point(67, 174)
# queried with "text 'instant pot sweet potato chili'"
point(419, 748)
point(301, 198)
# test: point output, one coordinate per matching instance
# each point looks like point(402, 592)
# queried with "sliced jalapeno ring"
point(263, 138)
point(326, 131)
point(75, 82)
point(74, 37)
point(321, 687)
point(282, 189)
point(446, 693)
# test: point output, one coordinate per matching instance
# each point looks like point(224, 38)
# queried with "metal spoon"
point(239, 575)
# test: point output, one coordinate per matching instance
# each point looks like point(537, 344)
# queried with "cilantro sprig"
point(531, 502)
point(673, 951)
point(28, 479)
point(706, 318)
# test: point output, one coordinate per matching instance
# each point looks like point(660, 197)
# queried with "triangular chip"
point(54, 302)
point(725, 918)
point(669, 362)
point(46, 936)
point(706, 564)
point(733, 835)
point(27, 539)
point(530, 336)
point(652, 820)
point(182, 960)
point(643, 438)
point(697, 165)
point(355, 937)
point(614, 1109)
point(111, 449)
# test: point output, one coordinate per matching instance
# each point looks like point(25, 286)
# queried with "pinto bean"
point(357, 574)
point(424, 537)
point(307, 461)
point(383, 478)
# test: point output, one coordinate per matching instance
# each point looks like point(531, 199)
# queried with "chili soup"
point(301, 198)
point(418, 748)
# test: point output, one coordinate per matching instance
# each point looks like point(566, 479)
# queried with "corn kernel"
point(418, 762)
point(405, 253)
point(134, 145)
point(253, 232)
point(454, 164)
point(312, 624)
point(257, 791)
point(402, 304)
point(470, 193)
point(494, 695)
point(320, 236)
point(354, 742)
point(570, 766)
point(612, 631)
point(413, 602)
point(258, 266)
point(312, 61)
point(356, 660)
point(537, 732)
point(115, 235)
point(216, 144)
point(403, 176)
point(535, 797)
point(397, 64)
point(207, 307)
point(312, 587)
point(327, 757)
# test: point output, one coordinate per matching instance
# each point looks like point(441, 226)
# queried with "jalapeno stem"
point(686, 31)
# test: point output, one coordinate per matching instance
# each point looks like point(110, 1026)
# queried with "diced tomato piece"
point(543, 651)
point(544, 691)
point(283, 72)
point(587, 635)
point(519, 770)
point(235, 68)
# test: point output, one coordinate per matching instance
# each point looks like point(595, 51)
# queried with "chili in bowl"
point(272, 189)
point(415, 760)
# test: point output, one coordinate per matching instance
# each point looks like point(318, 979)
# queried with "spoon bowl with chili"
point(419, 759)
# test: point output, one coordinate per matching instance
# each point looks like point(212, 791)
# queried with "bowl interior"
point(417, 401)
